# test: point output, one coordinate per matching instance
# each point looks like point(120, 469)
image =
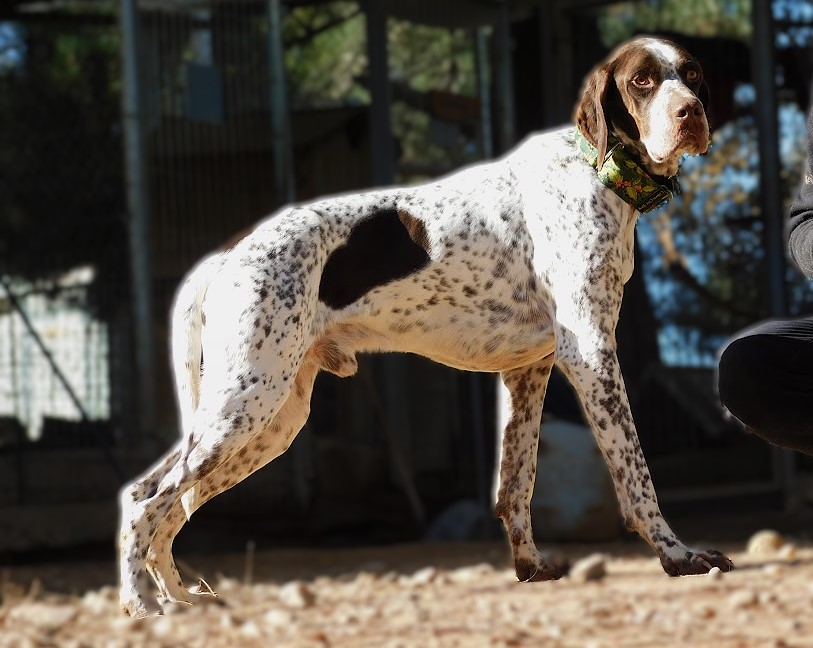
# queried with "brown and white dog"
point(506, 267)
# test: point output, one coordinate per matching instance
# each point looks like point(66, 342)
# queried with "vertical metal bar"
point(549, 70)
point(395, 387)
point(483, 476)
point(764, 71)
point(505, 79)
point(763, 66)
point(381, 140)
point(484, 91)
point(138, 217)
point(561, 48)
point(285, 193)
point(280, 115)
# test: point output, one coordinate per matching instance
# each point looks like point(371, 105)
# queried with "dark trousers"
point(765, 379)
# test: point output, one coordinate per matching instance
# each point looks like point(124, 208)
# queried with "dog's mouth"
point(694, 141)
point(687, 141)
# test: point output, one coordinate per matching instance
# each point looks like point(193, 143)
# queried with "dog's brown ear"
point(590, 115)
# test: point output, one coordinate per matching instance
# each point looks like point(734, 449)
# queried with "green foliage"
point(719, 18)
point(427, 59)
point(325, 54)
point(326, 64)
point(431, 58)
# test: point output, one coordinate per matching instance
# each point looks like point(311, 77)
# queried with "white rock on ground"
point(297, 594)
point(766, 541)
point(591, 568)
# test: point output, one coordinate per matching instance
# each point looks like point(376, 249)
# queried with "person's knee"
point(752, 385)
point(738, 375)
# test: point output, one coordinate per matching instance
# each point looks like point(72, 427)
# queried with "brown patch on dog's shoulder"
point(416, 229)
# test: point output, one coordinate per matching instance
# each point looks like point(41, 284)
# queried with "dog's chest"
point(576, 224)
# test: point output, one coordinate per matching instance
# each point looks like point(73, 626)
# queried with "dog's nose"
point(690, 109)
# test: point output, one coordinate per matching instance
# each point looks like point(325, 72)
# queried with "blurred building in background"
point(137, 135)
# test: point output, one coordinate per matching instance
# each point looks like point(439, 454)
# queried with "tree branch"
point(313, 32)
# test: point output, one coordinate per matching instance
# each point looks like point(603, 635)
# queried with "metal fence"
point(64, 329)
point(72, 329)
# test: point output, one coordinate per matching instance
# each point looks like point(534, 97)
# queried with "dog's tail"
point(186, 347)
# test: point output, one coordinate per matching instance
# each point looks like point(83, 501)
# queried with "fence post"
point(138, 218)
point(280, 116)
point(763, 64)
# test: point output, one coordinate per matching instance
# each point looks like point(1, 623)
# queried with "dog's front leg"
point(527, 387)
point(591, 364)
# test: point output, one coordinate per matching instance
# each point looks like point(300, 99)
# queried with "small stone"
point(250, 630)
point(743, 599)
point(715, 573)
point(794, 625)
point(278, 618)
point(47, 618)
point(591, 568)
point(228, 585)
point(787, 552)
point(97, 603)
point(424, 576)
point(297, 594)
point(162, 627)
point(766, 541)
point(364, 580)
point(472, 573)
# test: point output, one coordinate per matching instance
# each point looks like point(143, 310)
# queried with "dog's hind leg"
point(220, 431)
point(262, 449)
point(242, 391)
point(527, 386)
point(259, 309)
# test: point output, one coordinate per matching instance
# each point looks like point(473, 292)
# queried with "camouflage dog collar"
point(627, 179)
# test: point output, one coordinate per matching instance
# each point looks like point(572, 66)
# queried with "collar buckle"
point(654, 199)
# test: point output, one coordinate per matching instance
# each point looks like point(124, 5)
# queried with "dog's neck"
point(625, 175)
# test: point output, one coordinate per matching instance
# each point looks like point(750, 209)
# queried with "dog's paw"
point(139, 607)
point(540, 569)
point(695, 562)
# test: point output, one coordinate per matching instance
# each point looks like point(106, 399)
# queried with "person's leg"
point(765, 379)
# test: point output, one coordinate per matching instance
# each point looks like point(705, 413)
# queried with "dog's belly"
point(438, 314)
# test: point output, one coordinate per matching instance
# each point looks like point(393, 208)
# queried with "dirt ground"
point(424, 596)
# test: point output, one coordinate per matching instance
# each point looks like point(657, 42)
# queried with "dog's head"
point(651, 95)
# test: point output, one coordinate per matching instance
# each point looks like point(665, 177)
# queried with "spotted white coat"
point(509, 267)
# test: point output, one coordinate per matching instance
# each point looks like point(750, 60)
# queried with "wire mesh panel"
point(63, 250)
point(78, 344)
point(209, 143)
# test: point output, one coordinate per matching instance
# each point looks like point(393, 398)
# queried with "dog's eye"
point(692, 76)
point(642, 80)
